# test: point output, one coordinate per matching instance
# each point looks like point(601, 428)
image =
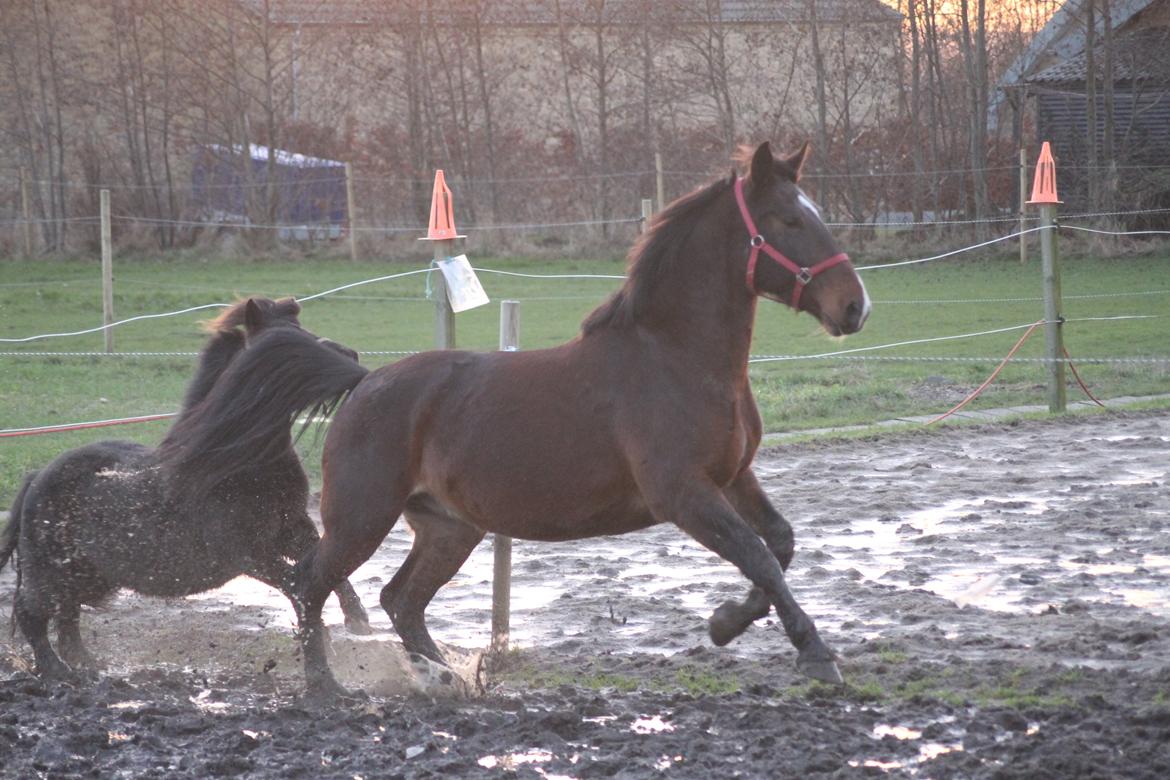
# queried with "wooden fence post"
point(502, 545)
point(1023, 201)
point(107, 272)
point(1044, 196)
point(444, 315)
point(24, 210)
point(1054, 321)
point(647, 212)
point(349, 211)
point(658, 180)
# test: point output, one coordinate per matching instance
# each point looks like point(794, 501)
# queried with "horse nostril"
point(853, 314)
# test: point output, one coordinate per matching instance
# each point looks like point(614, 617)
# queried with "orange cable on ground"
point(991, 378)
point(1081, 382)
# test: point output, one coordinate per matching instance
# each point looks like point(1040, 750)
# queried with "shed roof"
point(1064, 36)
point(544, 12)
point(1140, 56)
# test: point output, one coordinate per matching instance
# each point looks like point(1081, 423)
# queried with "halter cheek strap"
point(802, 275)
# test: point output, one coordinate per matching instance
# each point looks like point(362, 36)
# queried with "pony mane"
point(226, 339)
point(653, 256)
point(232, 318)
point(245, 420)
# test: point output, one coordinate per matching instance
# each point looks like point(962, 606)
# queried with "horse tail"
point(246, 419)
point(10, 537)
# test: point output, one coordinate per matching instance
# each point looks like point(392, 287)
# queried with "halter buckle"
point(757, 241)
point(804, 277)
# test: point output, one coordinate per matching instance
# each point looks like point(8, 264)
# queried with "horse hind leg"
point(302, 538)
point(442, 543)
point(353, 531)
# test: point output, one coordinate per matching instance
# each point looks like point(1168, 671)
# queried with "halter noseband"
point(802, 275)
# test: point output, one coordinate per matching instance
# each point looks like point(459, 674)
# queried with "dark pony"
point(224, 495)
point(647, 417)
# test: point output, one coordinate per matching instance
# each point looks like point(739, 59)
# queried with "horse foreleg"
point(732, 618)
point(753, 505)
point(709, 519)
point(303, 537)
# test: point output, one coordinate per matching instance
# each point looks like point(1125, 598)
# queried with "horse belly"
point(541, 494)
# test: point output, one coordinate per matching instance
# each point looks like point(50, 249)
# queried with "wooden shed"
point(1111, 135)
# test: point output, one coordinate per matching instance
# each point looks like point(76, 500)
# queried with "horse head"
point(792, 258)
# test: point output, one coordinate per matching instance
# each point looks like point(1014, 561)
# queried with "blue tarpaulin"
point(310, 191)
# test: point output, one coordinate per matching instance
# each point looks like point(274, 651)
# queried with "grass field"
point(940, 299)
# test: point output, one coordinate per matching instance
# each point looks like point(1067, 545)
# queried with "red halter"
point(803, 275)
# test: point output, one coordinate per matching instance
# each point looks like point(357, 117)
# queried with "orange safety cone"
point(1044, 183)
point(442, 223)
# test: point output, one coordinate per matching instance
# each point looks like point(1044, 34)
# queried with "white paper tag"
point(463, 288)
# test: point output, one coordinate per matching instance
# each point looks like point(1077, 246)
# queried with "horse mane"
point(653, 256)
point(245, 420)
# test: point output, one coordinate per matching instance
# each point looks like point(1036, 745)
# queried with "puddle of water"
point(650, 724)
point(533, 759)
point(897, 732)
point(927, 751)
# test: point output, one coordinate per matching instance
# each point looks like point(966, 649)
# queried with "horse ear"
point(796, 160)
point(763, 168)
point(253, 317)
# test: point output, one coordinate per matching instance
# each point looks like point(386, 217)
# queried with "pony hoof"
point(359, 627)
point(822, 669)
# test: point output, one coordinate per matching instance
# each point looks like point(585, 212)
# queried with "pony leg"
point(32, 615)
point(73, 650)
point(302, 538)
point(442, 544)
point(707, 516)
point(732, 618)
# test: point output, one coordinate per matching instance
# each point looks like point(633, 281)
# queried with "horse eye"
point(793, 221)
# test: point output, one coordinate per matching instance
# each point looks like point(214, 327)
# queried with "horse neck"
point(702, 305)
point(221, 349)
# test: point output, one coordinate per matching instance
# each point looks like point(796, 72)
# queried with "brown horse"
point(646, 417)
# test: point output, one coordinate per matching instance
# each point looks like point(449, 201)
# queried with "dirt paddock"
point(999, 598)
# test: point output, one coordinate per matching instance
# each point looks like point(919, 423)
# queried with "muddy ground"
point(999, 599)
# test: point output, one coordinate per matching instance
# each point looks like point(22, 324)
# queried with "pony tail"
point(247, 416)
point(10, 538)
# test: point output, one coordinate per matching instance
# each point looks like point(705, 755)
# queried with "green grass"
point(60, 295)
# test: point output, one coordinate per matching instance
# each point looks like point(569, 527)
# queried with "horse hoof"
point(822, 669)
point(327, 692)
point(724, 625)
